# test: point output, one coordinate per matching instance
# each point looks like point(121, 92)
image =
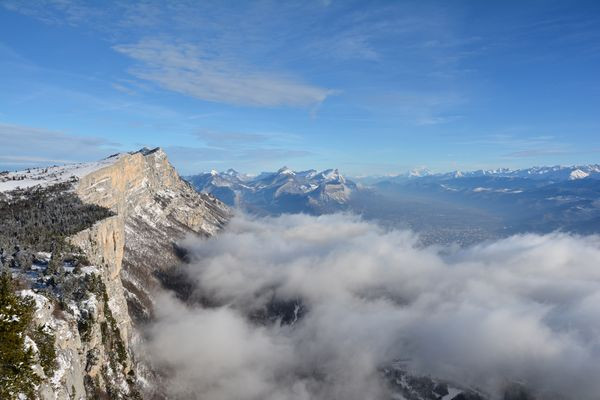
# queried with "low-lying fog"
point(524, 309)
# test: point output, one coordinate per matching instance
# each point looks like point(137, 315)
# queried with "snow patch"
point(40, 301)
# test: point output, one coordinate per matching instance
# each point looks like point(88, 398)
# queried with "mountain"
point(555, 173)
point(279, 192)
point(462, 207)
point(89, 246)
point(539, 199)
point(412, 174)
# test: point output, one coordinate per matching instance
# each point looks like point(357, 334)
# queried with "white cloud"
point(520, 309)
point(186, 69)
point(72, 12)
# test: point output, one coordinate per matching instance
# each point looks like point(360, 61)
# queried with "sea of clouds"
point(523, 309)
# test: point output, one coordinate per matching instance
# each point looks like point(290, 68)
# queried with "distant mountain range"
point(283, 191)
point(555, 173)
point(464, 207)
point(539, 199)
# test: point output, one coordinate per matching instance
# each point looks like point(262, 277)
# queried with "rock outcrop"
point(127, 253)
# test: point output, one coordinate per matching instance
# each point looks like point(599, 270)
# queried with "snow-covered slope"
point(52, 175)
point(282, 191)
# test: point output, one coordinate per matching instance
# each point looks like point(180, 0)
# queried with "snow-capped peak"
point(578, 174)
point(285, 171)
point(419, 172)
point(308, 174)
point(331, 175)
point(317, 189)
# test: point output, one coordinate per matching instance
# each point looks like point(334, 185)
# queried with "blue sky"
point(368, 87)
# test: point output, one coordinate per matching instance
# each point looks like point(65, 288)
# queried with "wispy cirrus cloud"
point(249, 151)
point(71, 12)
point(515, 144)
point(25, 146)
point(163, 40)
point(241, 139)
point(220, 139)
point(188, 69)
point(536, 153)
point(195, 159)
point(418, 107)
point(249, 55)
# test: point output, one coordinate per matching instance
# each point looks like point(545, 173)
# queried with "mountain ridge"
point(556, 172)
point(284, 190)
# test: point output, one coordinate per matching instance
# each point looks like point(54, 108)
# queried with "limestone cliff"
point(154, 209)
point(93, 312)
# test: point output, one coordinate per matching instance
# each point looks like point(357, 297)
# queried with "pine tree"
point(44, 340)
point(55, 266)
point(16, 313)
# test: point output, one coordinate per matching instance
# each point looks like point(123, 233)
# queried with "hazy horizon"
point(32, 163)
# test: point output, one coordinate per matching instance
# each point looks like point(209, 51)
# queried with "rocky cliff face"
point(93, 312)
point(155, 208)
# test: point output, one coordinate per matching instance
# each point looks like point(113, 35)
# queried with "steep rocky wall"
point(68, 381)
point(154, 209)
point(93, 333)
point(103, 244)
point(86, 336)
point(89, 361)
